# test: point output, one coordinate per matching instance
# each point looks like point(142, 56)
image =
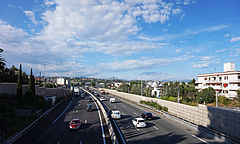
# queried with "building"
point(64, 82)
point(156, 89)
point(224, 83)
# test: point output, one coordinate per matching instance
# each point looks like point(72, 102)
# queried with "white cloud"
point(235, 39)
point(178, 50)
point(31, 15)
point(202, 65)
point(206, 58)
point(133, 64)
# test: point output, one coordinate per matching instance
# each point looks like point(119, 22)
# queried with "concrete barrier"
point(11, 89)
point(223, 121)
point(108, 122)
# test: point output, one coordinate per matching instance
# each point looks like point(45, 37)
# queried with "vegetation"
point(19, 84)
point(154, 104)
point(206, 95)
point(49, 85)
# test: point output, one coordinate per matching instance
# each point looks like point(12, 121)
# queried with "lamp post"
point(216, 98)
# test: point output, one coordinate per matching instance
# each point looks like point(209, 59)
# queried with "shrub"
point(165, 109)
point(154, 104)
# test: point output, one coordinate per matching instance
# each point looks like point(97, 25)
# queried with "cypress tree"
point(19, 84)
point(31, 86)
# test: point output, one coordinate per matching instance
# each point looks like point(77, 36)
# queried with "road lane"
point(56, 129)
point(159, 130)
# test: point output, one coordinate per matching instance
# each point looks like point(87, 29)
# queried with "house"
point(224, 83)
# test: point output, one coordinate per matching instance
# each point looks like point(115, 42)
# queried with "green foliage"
point(224, 100)
point(238, 96)
point(136, 89)
point(154, 104)
point(49, 85)
point(2, 61)
point(31, 87)
point(207, 95)
point(19, 84)
point(124, 87)
point(174, 99)
point(93, 83)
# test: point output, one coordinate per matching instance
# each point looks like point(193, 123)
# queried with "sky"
point(127, 39)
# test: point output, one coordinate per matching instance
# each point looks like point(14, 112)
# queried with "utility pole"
point(216, 98)
point(141, 89)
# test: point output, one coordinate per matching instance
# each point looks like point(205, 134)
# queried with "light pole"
point(216, 98)
point(141, 89)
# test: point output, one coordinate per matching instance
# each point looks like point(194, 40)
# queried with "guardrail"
point(105, 115)
point(18, 135)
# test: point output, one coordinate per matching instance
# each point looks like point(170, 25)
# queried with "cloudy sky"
point(127, 39)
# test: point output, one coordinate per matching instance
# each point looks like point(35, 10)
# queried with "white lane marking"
point(85, 121)
point(135, 113)
point(62, 112)
point(199, 139)
point(76, 110)
point(80, 142)
point(137, 129)
point(114, 106)
point(100, 118)
point(156, 128)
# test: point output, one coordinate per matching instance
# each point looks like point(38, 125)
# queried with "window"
point(238, 77)
point(226, 78)
point(220, 78)
point(214, 78)
point(238, 84)
point(205, 79)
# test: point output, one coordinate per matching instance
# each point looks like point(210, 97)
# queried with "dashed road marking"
point(85, 121)
point(135, 113)
point(199, 139)
point(137, 129)
point(80, 142)
point(114, 106)
point(156, 128)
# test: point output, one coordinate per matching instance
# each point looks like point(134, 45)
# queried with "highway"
point(54, 128)
point(159, 130)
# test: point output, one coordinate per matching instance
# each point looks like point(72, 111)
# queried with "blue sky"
point(127, 39)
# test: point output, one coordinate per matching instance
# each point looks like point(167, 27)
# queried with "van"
point(112, 100)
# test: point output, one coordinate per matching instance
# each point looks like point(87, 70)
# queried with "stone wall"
point(221, 120)
point(11, 89)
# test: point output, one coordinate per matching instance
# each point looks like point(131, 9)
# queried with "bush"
point(154, 104)
point(174, 99)
point(223, 100)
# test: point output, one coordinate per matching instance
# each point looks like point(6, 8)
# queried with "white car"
point(112, 100)
point(116, 114)
point(139, 122)
point(102, 99)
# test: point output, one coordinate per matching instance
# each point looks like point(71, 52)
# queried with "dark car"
point(90, 99)
point(147, 115)
point(89, 107)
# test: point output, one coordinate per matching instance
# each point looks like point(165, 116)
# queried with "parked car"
point(89, 107)
point(74, 124)
point(90, 99)
point(102, 99)
point(115, 114)
point(147, 115)
point(112, 100)
point(139, 122)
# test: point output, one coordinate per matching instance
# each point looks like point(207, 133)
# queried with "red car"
point(74, 124)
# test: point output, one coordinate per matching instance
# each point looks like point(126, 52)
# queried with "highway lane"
point(159, 130)
point(56, 130)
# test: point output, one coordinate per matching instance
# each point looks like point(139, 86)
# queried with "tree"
point(2, 61)
point(31, 85)
point(93, 83)
point(124, 87)
point(238, 96)
point(136, 89)
point(19, 84)
point(207, 95)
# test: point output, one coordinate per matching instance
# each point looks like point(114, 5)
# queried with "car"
point(147, 115)
point(102, 99)
point(139, 122)
point(112, 100)
point(115, 114)
point(90, 99)
point(89, 107)
point(74, 124)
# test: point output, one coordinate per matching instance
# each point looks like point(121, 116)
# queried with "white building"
point(225, 83)
point(63, 81)
point(156, 89)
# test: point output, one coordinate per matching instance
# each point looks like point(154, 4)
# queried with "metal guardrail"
point(18, 135)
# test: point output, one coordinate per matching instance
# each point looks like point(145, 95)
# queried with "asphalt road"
point(159, 130)
point(54, 129)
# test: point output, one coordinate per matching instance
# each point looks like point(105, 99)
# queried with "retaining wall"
point(221, 120)
point(11, 89)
